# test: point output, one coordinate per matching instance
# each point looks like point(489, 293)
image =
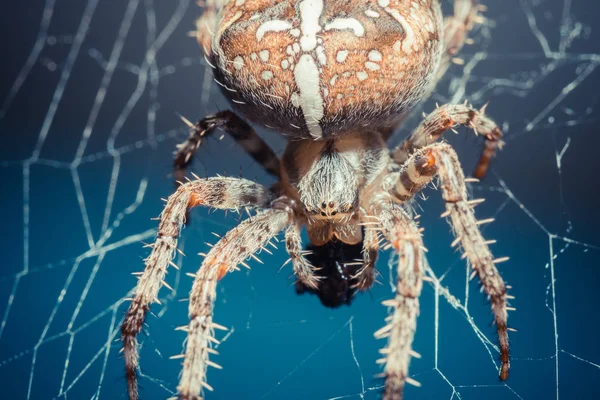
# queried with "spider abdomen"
point(315, 68)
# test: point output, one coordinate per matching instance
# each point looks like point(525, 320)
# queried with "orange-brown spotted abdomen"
point(315, 68)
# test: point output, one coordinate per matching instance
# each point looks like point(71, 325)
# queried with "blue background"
point(79, 189)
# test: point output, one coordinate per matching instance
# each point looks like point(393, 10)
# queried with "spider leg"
point(367, 274)
point(243, 134)
point(206, 25)
point(224, 193)
point(441, 160)
point(405, 237)
point(447, 117)
point(456, 28)
point(238, 244)
point(303, 270)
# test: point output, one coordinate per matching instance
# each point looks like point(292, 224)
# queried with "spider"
point(337, 78)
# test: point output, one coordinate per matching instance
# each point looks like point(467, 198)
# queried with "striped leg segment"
point(401, 325)
point(456, 29)
point(447, 117)
point(238, 244)
point(225, 193)
point(303, 270)
point(243, 134)
point(442, 160)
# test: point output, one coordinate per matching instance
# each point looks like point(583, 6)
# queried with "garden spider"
point(337, 78)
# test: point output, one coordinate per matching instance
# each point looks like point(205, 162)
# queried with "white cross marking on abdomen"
point(307, 74)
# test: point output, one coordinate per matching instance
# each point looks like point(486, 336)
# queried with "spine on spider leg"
point(238, 244)
point(367, 273)
point(475, 247)
point(402, 323)
point(303, 270)
point(201, 335)
point(445, 118)
point(482, 262)
point(185, 151)
point(146, 291)
point(414, 176)
point(466, 115)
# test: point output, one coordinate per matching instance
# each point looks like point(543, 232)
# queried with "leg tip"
point(504, 371)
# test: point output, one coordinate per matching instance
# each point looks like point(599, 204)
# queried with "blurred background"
point(89, 96)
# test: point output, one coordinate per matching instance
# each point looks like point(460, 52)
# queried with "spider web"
point(89, 97)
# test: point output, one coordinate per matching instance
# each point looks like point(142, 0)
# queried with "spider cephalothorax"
point(328, 178)
point(336, 77)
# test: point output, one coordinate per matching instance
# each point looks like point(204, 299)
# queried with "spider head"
point(327, 176)
point(328, 184)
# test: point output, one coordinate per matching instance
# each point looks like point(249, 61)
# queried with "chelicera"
point(337, 78)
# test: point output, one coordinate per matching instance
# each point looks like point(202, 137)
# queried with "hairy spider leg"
point(303, 270)
point(223, 193)
point(447, 117)
point(241, 132)
point(441, 160)
point(404, 235)
point(456, 28)
point(207, 24)
point(367, 274)
point(239, 243)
